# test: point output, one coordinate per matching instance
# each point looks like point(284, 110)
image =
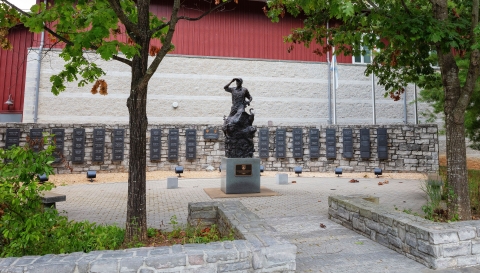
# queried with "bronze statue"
point(237, 127)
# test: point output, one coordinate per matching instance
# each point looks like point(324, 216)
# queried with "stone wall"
point(410, 149)
point(256, 250)
point(285, 93)
point(436, 245)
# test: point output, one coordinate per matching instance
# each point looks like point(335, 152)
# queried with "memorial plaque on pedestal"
point(173, 137)
point(36, 139)
point(118, 144)
point(155, 144)
point(98, 145)
point(382, 145)
point(297, 134)
point(365, 143)
point(281, 143)
point(210, 133)
point(331, 144)
point(191, 142)
point(314, 144)
point(12, 138)
point(347, 143)
point(78, 153)
point(263, 143)
point(59, 137)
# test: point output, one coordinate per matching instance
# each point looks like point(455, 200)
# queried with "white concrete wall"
point(285, 93)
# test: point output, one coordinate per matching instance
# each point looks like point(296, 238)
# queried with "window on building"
point(363, 59)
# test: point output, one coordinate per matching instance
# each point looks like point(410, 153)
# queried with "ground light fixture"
point(338, 171)
point(42, 178)
point(91, 175)
point(298, 170)
point(178, 170)
point(377, 171)
point(262, 168)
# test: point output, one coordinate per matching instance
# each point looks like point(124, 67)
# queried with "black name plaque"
point(12, 138)
point(281, 143)
point(118, 144)
point(314, 143)
point(382, 145)
point(243, 170)
point(365, 143)
point(297, 134)
point(78, 145)
point(173, 136)
point(331, 144)
point(210, 133)
point(155, 144)
point(191, 142)
point(98, 145)
point(347, 143)
point(263, 143)
point(36, 139)
point(59, 138)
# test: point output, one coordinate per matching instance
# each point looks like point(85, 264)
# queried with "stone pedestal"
point(240, 175)
point(172, 182)
point(281, 179)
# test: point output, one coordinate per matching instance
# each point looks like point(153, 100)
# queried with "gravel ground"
point(76, 179)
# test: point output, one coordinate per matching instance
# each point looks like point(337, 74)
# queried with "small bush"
point(28, 229)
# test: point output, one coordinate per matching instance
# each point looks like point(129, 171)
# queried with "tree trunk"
point(136, 222)
point(457, 175)
point(456, 102)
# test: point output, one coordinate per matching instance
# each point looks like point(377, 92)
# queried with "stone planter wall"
point(257, 251)
point(436, 245)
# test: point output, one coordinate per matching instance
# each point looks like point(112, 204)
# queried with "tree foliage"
point(93, 26)
point(433, 94)
point(403, 34)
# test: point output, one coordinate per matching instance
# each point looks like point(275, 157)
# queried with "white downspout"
point(39, 66)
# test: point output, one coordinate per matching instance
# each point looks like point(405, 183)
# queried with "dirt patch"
point(473, 163)
point(75, 179)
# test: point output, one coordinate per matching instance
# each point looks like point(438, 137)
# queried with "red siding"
point(240, 31)
point(12, 69)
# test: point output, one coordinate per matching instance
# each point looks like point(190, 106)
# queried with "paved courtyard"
point(296, 214)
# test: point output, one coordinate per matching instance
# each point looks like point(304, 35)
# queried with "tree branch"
point(129, 25)
point(205, 13)
point(405, 7)
point(474, 65)
point(65, 40)
point(168, 40)
point(152, 31)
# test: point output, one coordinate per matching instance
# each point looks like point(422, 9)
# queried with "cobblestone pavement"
point(296, 214)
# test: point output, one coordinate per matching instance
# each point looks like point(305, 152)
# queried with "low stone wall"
point(257, 251)
point(436, 245)
point(410, 148)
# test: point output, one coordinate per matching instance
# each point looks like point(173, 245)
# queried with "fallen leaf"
point(380, 183)
point(385, 182)
point(319, 201)
point(322, 225)
point(294, 181)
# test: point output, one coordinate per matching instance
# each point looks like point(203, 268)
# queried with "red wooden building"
point(238, 31)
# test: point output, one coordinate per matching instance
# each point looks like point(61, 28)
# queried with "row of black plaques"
point(78, 142)
point(173, 143)
point(330, 143)
point(13, 138)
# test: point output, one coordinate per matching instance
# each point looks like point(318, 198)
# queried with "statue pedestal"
point(240, 175)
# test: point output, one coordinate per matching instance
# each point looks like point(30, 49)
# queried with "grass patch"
point(473, 188)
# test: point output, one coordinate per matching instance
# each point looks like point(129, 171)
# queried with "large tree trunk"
point(457, 175)
point(136, 222)
point(456, 149)
point(456, 102)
